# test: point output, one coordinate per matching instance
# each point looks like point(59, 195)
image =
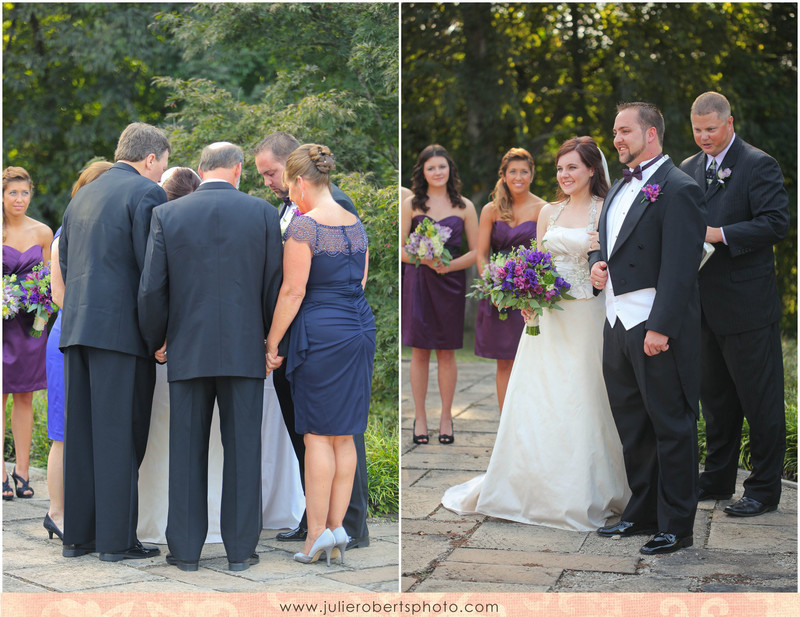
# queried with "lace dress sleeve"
point(303, 229)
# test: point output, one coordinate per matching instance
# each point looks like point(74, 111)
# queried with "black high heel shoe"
point(24, 485)
point(8, 493)
point(52, 528)
point(419, 439)
point(448, 439)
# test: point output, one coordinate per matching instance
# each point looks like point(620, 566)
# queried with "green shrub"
point(383, 466)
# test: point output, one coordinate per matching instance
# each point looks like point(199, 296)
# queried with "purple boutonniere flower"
point(651, 192)
point(722, 175)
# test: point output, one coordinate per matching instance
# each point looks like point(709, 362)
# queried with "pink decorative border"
point(424, 604)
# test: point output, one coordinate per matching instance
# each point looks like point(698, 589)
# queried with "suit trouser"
point(658, 430)
point(743, 378)
point(108, 399)
point(355, 519)
point(191, 403)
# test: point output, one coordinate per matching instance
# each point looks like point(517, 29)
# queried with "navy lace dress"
point(332, 339)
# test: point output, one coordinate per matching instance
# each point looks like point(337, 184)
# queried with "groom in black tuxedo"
point(210, 282)
point(651, 239)
point(109, 373)
point(270, 158)
point(748, 212)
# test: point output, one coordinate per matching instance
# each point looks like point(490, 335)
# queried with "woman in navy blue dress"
point(331, 343)
point(434, 294)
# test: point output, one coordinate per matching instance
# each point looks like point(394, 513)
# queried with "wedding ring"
point(597, 284)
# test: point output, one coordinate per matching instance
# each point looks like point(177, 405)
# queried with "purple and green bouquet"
point(12, 296)
point(427, 242)
point(523, 279)
point(36, 297)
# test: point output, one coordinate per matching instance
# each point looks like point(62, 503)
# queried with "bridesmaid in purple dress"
point(434, 294)
point(507, 221)
point(26, 243)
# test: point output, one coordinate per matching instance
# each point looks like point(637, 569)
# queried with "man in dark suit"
point(742, 374)
point(210, 282)
point(270, 158)
point(651, 237)
point(108, 371)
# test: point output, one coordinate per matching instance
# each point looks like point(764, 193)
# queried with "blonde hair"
point(312, 161)
point(501, 196)
point(14, 174)
point(92, 172)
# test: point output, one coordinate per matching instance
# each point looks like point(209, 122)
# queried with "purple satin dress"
point(433, 303)
point(23, 355)
point(495, 338)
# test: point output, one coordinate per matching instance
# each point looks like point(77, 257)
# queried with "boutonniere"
point(651, 192)
point(296, 211)
point(722, 175)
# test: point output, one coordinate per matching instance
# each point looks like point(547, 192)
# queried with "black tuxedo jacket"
point(101, 253)
point(210, 282)
point(660, 245)
point(738, 287)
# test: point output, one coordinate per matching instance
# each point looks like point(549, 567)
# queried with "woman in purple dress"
point(26, 244)
point(509, 220)
point(434, 294)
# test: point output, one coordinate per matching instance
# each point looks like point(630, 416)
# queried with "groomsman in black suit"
point(109, 373)
point(210, 282)
point(742, 375)
point(651, 238)
point(270, 158)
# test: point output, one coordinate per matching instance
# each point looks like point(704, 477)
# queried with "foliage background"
point(74, 75)
point(480, 78)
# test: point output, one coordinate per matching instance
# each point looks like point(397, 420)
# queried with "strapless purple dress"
point(23, 355)
point(433, 303)
point(495, 338)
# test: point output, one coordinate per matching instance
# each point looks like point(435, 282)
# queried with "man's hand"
point(655, 343)
point(161, 353)
point(599, 275)
point(713, 234)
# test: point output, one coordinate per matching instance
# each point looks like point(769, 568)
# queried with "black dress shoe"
point(703, 495)
point(662, 543)
point(137, 551)
point(298, 533)
point(77, 550)
point(357, 542)
point(626, 529)
point(186, 566)
point(749, 507)
point(238, 566)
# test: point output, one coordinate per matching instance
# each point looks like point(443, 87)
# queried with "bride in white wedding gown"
point(557, 460)
point(282, 499)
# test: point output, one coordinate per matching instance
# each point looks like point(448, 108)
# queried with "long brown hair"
point(419, 185)
point(501, 196)
point(589, 152)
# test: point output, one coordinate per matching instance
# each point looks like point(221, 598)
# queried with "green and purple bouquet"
point(12, 296)
point(36, 297)
point(523, 279)
point(427, 242)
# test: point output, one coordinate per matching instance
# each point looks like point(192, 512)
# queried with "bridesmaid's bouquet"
point(36, 297)
point(427, 242)
point(523, 279)
point(12, 296)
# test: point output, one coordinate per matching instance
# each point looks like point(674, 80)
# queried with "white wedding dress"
point(557, 460)
point(282, 499)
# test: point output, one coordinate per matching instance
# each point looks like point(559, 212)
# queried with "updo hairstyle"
point(312, 161)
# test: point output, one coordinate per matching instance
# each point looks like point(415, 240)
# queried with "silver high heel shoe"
point(323, 544)
point(341, 538)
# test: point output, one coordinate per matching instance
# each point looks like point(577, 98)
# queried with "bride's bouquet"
point(523, 279)
point(12, 296)
point(427, 242)
point(36, 297)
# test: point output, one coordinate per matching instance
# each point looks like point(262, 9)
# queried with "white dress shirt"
point(634, 307)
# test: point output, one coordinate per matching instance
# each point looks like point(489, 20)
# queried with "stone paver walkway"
point(32, 562)
point(444, 551)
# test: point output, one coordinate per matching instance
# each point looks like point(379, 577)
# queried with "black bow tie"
point(629, 174)
point(287, 201)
